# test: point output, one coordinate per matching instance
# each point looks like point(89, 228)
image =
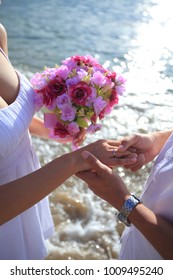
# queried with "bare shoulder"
point(9, 82)
point(3, 38)
point(3, 33)
point(3, 104)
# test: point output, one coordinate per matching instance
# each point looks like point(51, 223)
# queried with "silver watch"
point(127, 207)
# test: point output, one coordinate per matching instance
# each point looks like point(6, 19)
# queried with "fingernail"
point(85, 154)
point(133, 159)
point(121, 148)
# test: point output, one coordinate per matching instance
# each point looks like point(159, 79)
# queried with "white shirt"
point(158, 196)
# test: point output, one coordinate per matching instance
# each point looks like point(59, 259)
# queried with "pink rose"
point(113, 98)
point(111, 75)
point(87, 60)
point(60, 131)
point(57, 130)
point(54, 88)
point(48, 97)
point(80, 92)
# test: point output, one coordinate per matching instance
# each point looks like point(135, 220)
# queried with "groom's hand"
point(103, 181)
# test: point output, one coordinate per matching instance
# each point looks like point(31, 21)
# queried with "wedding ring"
point(114, 153)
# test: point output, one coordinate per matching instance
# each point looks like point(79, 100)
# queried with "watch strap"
point(126, 209)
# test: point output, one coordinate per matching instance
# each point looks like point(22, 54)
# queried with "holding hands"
point(146, 146)
point(103, 181)
point(132, 152)
point(107, 184)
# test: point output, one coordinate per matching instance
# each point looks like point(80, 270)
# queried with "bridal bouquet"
point(76, 95)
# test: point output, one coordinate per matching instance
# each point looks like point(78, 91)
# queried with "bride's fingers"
point(80, 137)
point(131, 149)
point(121, 161)
point(117, 154)
point(114, 143)
point(138, 164)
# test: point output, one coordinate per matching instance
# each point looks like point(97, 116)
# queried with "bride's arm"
point(21, 194)
point(38, 129)
point(3, 39)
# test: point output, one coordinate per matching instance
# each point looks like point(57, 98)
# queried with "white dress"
point(23, 237)
point(158, 196)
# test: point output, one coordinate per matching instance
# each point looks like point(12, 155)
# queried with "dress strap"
point(1, 50)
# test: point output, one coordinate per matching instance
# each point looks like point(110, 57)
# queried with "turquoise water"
point(132, 37)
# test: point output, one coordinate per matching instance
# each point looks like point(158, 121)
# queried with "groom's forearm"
point(161, 137)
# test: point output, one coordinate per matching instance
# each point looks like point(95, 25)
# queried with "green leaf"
point(81, 122)
point(105, 92)
point(89, 114)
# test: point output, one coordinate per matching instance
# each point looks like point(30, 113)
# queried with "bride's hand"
point(106, 152)
point(78, 140)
